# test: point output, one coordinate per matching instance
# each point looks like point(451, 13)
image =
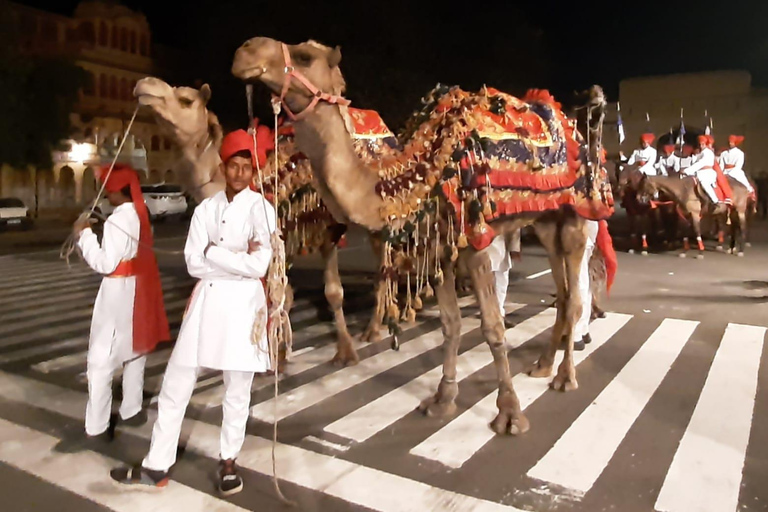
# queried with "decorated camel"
point(182, 115)
point(693, 204)
point(477, 165)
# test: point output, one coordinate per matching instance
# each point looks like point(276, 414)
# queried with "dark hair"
point(245, 153)
point(126, 191)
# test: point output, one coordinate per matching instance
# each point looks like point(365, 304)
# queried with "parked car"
point(162, 200)
point(13, 214)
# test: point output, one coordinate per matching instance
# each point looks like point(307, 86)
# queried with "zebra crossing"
point(351, 434)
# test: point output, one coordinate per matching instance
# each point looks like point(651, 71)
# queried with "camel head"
point(263, 60)
point(180, 112)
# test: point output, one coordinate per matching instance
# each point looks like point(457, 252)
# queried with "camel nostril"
point(246, 44)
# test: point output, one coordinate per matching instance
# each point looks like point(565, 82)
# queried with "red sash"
point(124, 269)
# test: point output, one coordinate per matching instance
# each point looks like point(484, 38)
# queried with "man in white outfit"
point(581, 334)
point(500, 252)
point(685, 161)
point(228, 249)
point(732, 162)
point(703, 168)
point(128, 315)
point(645, 155)
point(668, 161)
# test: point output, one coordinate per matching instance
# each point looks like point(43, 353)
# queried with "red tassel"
point(605, 244)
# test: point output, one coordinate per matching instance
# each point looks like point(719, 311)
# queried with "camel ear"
point(205, 93)
point(334, 57)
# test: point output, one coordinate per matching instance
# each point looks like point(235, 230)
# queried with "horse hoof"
point(740, 255)
point(644, 253)
point(700, 257)
point(681, 255)
point(729, 251)
point(719, 248)
point(631, 251)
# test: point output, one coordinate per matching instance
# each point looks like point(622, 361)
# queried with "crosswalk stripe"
point(14, 279)
point(36, 265)
point(34, 452)
point(348, 481)
point(377, 415)
point(21, 291)
point(80, 342)
point(580, 455)
point(318, 390)
point(706, 471)
point(471, 427)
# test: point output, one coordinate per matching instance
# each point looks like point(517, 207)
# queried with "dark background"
point(395, 51)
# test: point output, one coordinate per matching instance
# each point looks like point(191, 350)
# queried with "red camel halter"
point(317, 94)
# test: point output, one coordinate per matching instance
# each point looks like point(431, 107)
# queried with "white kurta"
point(732, 163)
point(683, 163)
point(667, 164)
point(703, 168)
point(646, 157)
point(581, 328)
point(112, 324)
point(217, 330)
point(501, 263)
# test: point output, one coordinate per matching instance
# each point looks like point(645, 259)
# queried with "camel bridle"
point(317, 95)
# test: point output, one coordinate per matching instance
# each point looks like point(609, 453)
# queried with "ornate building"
point(113, 44)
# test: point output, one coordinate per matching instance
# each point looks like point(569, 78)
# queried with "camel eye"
point(185, 102)
point(302, 59)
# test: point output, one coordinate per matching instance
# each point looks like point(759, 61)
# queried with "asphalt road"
point(671, 413)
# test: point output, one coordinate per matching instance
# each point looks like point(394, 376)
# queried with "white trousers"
point(740, 176)
point(178, 385)
point(581, 328)
point(708, 180)
point(99, 406)
point(502, 283)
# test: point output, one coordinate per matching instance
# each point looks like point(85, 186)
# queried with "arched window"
point(124, 39)
point(113, 94)
point(103, 34)
point(124, 94)
point(115, 38)
point(103, 86)
point(155, 143)
point(144, 45)
point(87, 32)
point(132, 40)
point(89, 88)
point(166, 144)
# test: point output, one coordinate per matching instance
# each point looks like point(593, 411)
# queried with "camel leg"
point(334, 293)
point(547, 233)
point(372, 332)
point(443, 402)
point(510, 419)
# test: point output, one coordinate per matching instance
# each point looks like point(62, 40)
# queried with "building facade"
point(114, 46)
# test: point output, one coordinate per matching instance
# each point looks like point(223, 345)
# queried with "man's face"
point(238, 172)
point(731, 144)
point(643, 144)
point(115, 198)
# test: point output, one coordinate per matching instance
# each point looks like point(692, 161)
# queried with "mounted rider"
point(686, 160)
point(645, 155)
point(732, 162)
point(668, 161)
point(703, 168)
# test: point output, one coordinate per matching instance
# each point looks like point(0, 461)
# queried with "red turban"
point(150, 323)
point(669, 148)
point(703, 140)
point(240, 140)
point(687, 150)
point(736, 139)
point(647, 138)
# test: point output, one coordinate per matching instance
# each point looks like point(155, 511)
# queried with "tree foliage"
point(36, 97)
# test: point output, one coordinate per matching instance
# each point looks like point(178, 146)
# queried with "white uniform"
point(111, 341)
point(219, 323)
point(667, 164)
point(501, 264)
point(703, 168)
point(646, 157)
point(581, 328)
point(732, 163)
point(683, 163)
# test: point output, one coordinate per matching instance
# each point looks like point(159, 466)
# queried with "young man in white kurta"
point(645, 156)
point(501, 263)
point(703, 168)
point(581, 328)
point(668, 161)
point(111, 342)
point(732, 162)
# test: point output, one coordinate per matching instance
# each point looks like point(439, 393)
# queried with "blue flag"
point(619, 124)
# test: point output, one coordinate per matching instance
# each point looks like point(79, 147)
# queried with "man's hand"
point(82, 223)
point(253, 246)
point(205, 251)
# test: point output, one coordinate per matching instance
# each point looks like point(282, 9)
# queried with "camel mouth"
point(250, 75)
point(146, 99)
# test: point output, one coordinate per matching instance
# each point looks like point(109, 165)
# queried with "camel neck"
point(199, 171)
point(346, 186)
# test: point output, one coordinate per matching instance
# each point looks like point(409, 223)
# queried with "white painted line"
point(345, 480)
point(472, 425)
point(327, 444)
point(539, 274)
point(80, 342)
point(377, 415)
point(705, 475)
point(86, 474)
point(579, 457)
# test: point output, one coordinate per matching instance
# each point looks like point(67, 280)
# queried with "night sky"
point(395, 51)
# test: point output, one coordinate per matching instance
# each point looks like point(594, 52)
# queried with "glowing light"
point(80, 152)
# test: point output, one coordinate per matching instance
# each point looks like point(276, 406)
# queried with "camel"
point(306, 78)
point(182, 115)
point(693, 204)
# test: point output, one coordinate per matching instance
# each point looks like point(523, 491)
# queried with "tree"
point(36, 97)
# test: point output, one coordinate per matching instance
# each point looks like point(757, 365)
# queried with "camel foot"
point(700, 256)
point(719, 248)
point(748, 245)
point(443, 402)
point(540, 369)
point(631, 251)
point(740, 254)
point(564, 381)
point(682, 255)
point(346, 355)
point(510, 423)
point(729, 251)
point(372, 334)
point(644, 253)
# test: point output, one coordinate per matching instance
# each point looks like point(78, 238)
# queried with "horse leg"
point(720, 233)
point(334, 293)
point(696, 223)
point(632, 232)
point(742, 226)
point(443, 402)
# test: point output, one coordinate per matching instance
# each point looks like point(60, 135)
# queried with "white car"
point(13, 214)
point(162, 201)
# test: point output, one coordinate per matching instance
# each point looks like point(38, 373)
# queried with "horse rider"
point(703, 168)
point(668, 162)
point(645, 155)
point(732, 162)
point(686, 160)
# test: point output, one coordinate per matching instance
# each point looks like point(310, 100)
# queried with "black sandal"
point(139, 476)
